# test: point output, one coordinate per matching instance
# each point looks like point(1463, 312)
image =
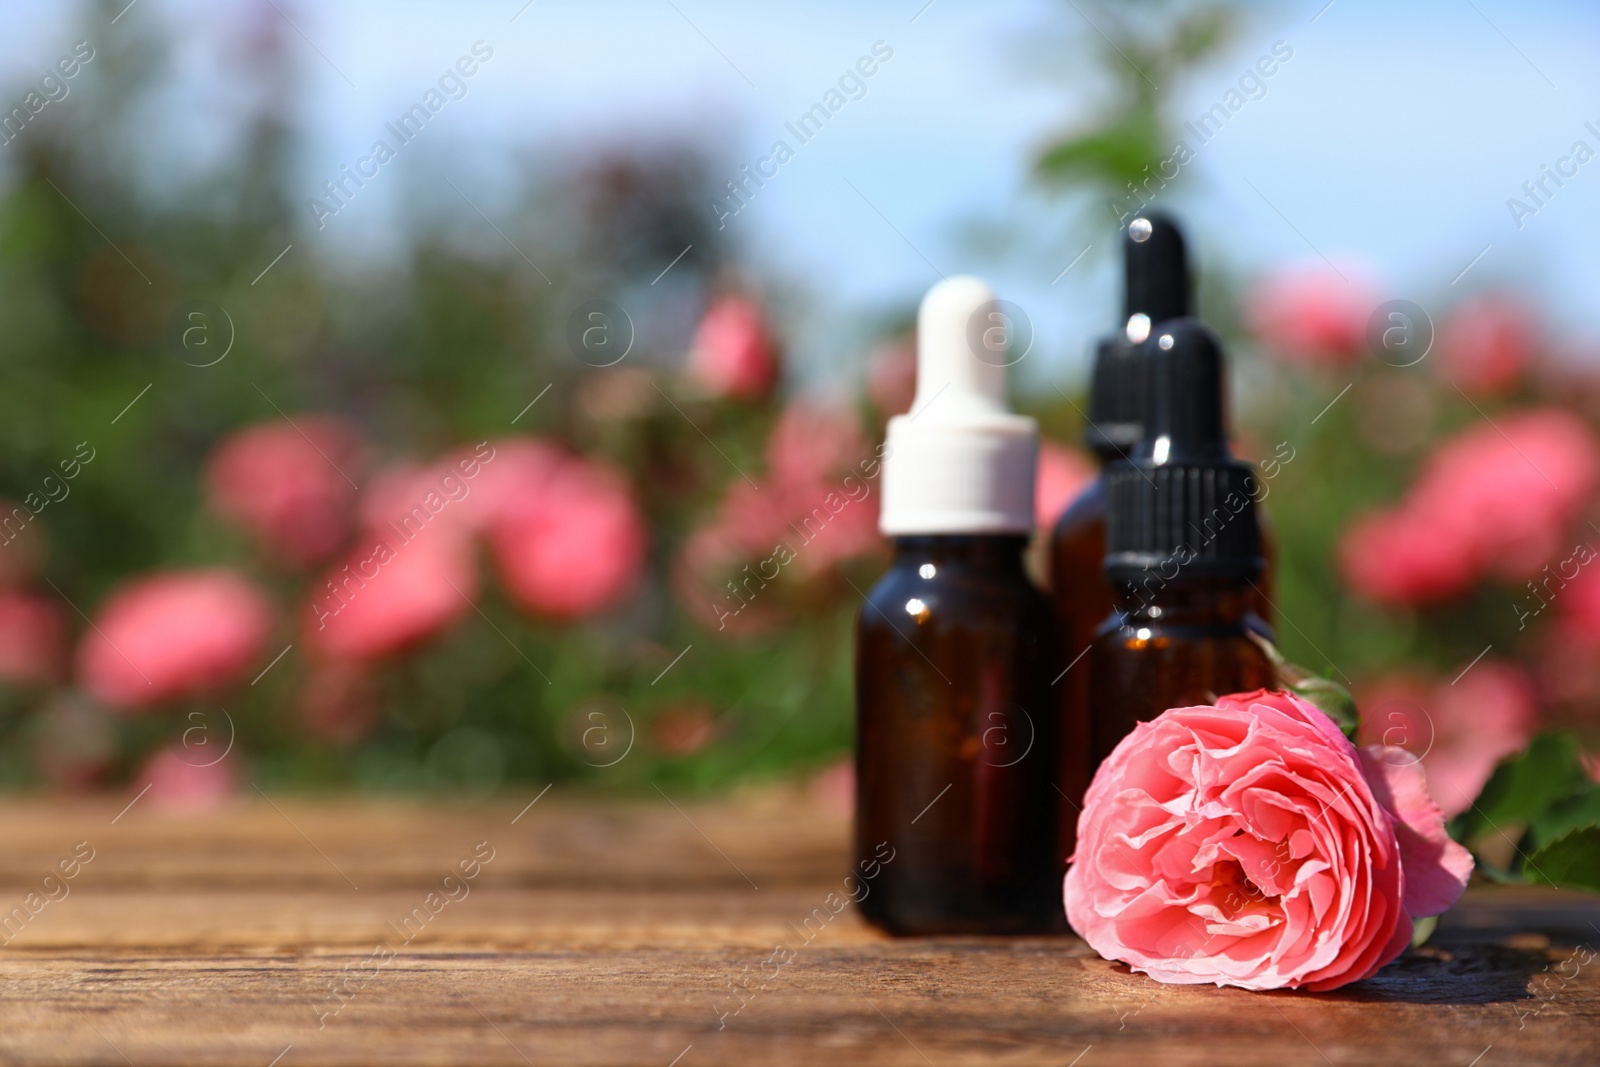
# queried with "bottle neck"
point(1193, 602)
point(1106, 453)
point(989, 551)
point(1110, 443)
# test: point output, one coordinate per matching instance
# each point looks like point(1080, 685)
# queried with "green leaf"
point(1574, 812)
point(1572, 861)
point(1525, 786)
point(1200, 34)
point(1114, 154)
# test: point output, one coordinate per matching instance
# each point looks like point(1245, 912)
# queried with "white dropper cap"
point(961, 461)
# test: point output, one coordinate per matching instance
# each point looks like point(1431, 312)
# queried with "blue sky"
point(1392, 138)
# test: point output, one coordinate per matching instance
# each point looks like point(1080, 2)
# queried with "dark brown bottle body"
point(1082, 597)
point(1179, 646)
point(956, 741)
point(1083, 600)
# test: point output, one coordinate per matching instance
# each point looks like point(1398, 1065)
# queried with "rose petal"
point(1436, 867)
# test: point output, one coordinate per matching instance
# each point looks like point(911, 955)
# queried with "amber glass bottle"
point(1155, 288)
point(955, 734)
point(1188, 643)
point(955, 739)
point(1183, 548)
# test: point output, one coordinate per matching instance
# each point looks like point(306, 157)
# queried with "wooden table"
point(608, 933)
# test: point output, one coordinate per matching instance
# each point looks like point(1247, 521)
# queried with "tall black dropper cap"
point(1155, 288)
point(1182, 505)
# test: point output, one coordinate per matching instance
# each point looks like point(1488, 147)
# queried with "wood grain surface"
point(600, 932)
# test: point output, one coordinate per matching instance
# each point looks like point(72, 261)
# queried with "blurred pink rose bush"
point(33, 639)
point(1575, 596)
point(564, 533)
point(391, 595)
point(1311, 316)
point(1464, 607)
point(287, 484)
point(22, 544)
point(1062, 474)
point(75, 743)
point(572, 545)
point(1499, 498)
point(173, 635)
point(183, 782)
point(1485, 345)
point(339, 701)
point(817, 510)
point(732, 354)
point(1251, 844)
point(1458, 729)
point(892, 378)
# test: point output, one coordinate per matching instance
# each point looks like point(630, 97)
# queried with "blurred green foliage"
point(106, 247)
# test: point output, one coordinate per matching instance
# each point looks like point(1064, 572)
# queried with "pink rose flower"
point(1485, 345)
point(1312, 317)
point(1251, 844)
point(574, 547)
point(33, 638)
point(391, 594)
point(732, 353)
point(1061, 476)
point(284, 485)
point(1394, 557)
point(1512, 486)
point(173, 635)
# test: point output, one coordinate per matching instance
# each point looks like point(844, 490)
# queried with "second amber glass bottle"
point(1155, 288)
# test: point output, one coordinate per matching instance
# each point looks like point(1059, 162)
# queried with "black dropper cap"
point(1155, 263)
point(1156, 286)
point(1182, 506)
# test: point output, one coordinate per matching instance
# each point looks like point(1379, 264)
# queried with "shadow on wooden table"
point(1469, 974)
